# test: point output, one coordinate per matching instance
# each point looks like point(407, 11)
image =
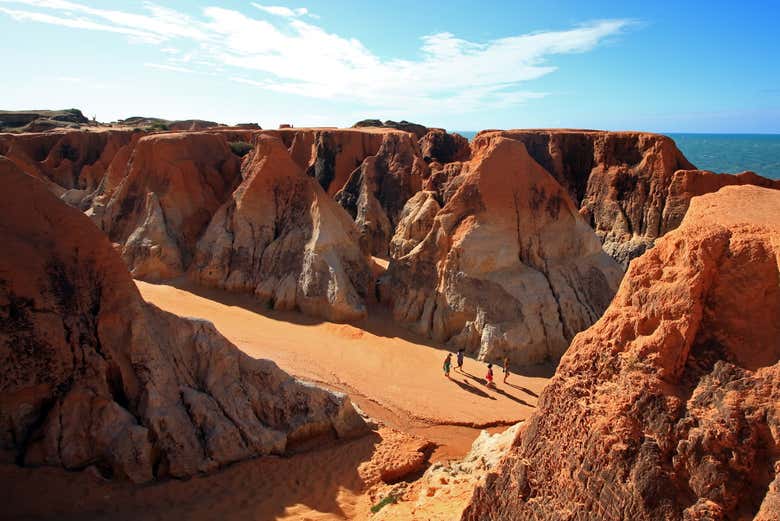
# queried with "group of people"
point(459, 358)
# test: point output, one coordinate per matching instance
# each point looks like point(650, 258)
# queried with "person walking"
point(489, 376)
point(447, 364)
point(506, 368)
point(460, 360)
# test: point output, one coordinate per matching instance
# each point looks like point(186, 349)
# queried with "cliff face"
point(377, 191)
point(94, 376)
point(174, 183)
point(72, 164)
point(507, 267)
point(619, 180)
point(626, 184)
point(283, 238)
point(668, 406)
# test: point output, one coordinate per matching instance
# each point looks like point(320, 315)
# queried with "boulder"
point(94, 377)
point(508, 266)
point(281, 237)
point(667, 407)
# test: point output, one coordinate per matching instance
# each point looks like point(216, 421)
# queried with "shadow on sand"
point(472, 389)
point(498, 390)
point(379, 321)
point(262, 488)
point(521, 388)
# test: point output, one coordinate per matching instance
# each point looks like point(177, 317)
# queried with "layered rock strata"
point(96, 377)
point(669, 406)
point(281, 237)
point(507, 267)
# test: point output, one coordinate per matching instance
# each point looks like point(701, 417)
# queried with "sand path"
point(392, 374)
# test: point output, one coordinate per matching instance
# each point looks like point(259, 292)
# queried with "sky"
point(664, 66)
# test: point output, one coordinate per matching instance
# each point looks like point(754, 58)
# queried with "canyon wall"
point(505, 267)
point(625, 184)
point(669, 406)
point(96, 377)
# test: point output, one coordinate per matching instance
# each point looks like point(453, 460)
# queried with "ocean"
point(726, 153)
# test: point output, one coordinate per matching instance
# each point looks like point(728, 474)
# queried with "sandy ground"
point(393, 375)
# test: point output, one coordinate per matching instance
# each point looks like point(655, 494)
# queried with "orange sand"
point(393, 375)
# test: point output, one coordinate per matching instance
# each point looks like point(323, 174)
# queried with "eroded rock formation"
point(72, 163)
point(443, 147)
point(173, 185)
point(330, 155)
point(94, 376)
point(284, 239)
point(669, 406)
point(624, 183)
point(507, 268)
point(377, 191)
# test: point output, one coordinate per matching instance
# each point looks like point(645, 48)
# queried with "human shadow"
point(477, 379)
point(511, 397)
point(500, 391)
point(472, 389)
point(526, 390)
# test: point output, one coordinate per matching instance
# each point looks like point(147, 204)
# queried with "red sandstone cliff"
point(506, 266)
point(281, 237)
point(624, 183)
point(173, 185)
point(669, 406)
point(95, 376)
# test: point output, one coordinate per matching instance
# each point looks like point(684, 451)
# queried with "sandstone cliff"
point(94, 376)
point(377, 191)
point(72, 163)
point(669, 406)
point(283, 238)
point(507, 266)
point(173, 185)
point(621, 181)
point(443, 147)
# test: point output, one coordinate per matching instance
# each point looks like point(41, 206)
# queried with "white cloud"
point(281, 52)
point(166, 67)
point(280, 10)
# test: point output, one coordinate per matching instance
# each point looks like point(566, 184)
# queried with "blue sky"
point(464, 65)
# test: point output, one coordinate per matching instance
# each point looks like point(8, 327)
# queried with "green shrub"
point(240, 148)
point(157, 126)
point(386, 501)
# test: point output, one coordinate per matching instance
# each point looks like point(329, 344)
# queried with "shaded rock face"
point(283, 238)
point(173, 185)
point(619, 180)
point(73, 164)
point(668, 407)
point(626, 184)
point(330, 156)
point(94, 376)
point(376, 192)
point(507, 268)
point(442, 147)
